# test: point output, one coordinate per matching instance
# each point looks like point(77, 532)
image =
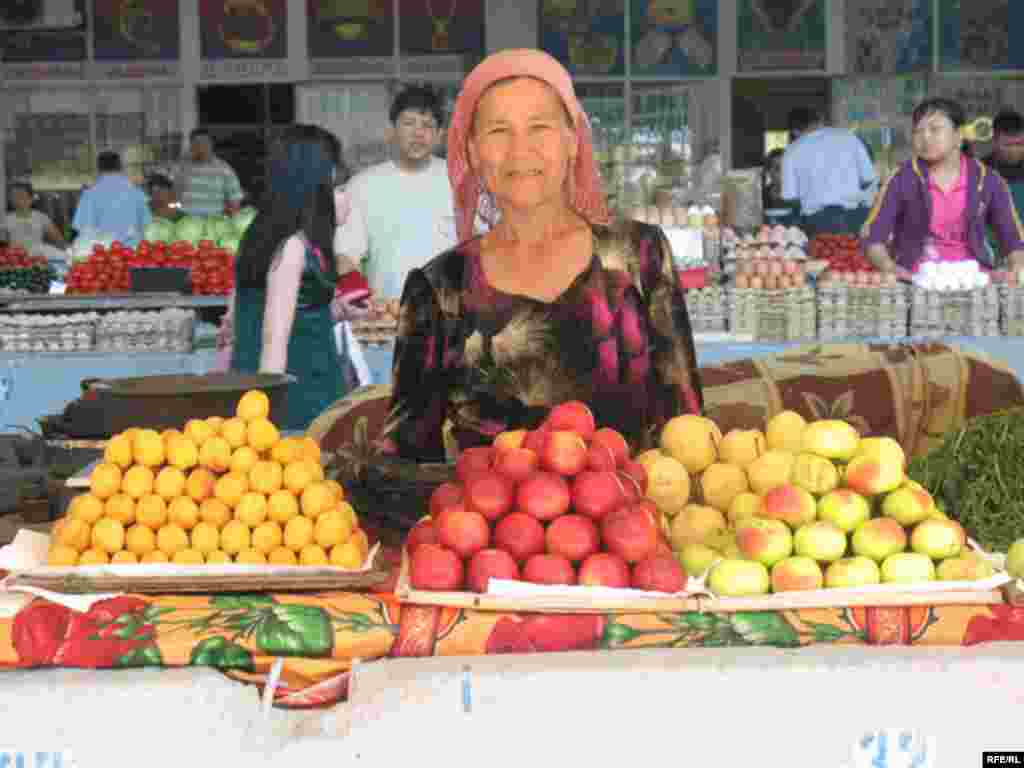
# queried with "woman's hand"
point(342, 207)
point(225, 332)
point(345, 308)
point(1016, 260)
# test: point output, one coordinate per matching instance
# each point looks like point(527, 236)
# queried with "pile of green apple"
point(873, 526)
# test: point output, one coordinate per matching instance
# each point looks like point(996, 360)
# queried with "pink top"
point(949, 218)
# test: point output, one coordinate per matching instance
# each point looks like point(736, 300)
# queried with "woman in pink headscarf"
point(555, 302)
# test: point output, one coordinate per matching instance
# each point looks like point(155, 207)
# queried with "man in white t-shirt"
point(402, 213)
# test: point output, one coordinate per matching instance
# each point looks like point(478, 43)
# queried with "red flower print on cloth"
point(1006, 623)
point(545, 632)
point(112, 629)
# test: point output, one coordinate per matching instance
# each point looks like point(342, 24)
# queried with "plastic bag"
point(742, 203)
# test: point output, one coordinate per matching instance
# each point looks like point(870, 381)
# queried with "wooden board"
point(540, 603)
point(794, 601)
point(301, 580)
point(701, 603)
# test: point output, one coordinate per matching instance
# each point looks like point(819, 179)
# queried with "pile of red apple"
point(561, 504)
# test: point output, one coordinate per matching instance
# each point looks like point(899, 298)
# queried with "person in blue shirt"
point(113, 206)
point(829, 172)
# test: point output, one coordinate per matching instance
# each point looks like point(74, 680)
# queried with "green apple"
point(964, 568)
point(1015, 559)
point(854, 571)
point(907, 568)
point(763, 540)
point(878, 538)
point(739, 578)
point(796, 573)
point(938, 538)
point(696, 558)
point(821, 540)
point(844, 508)
point(908, 506)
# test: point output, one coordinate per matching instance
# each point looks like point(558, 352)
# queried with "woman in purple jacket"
point(943, 199)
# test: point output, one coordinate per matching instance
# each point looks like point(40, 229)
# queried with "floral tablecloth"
point(320, 636)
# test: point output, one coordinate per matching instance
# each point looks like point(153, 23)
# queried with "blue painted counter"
point(39, 384)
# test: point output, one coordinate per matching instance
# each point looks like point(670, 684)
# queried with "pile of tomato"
point(842, 252)
point(108, 270)
point(17, 256)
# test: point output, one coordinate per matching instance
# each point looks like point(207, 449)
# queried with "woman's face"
point(935, 138)
point(522, 146)
point(22, 199)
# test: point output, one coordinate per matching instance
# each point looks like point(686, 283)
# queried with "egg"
point(757, 282)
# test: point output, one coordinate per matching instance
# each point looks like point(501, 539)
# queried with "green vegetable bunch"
point(977, 476)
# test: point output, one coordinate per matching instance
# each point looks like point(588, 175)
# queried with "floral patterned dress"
point(472, 361)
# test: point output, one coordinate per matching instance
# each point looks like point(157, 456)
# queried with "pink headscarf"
point(587, 191)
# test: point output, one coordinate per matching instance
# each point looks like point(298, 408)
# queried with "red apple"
point(595, 494)
point(631, 489)
point(444, 496)
point(473, 460)
point(630, 532)
point(489, 493)
point(520, 535)
point(604, 569)
point(423, 532)
point(600, 457)
point(573, 416)
point(659, 573)
point(535, 439)
point(490, 564)
point(516, 463)
point(433, 567)
point(508, 440)
point(544, 495)
point(637, 472)
point(612, 440)
point(564, 452)
point(463, 531)
point(573, 536)
point(549, 569)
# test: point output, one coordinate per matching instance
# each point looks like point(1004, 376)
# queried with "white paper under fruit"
point(513, 588)
point(779, 599)
point(26, 555)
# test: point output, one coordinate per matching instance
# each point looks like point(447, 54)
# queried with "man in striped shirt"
point(207, 186)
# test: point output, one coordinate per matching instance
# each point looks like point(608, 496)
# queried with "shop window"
point(660, 148)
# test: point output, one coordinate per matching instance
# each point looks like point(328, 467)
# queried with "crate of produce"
point(773, 315)
point(169, 330)
point(935, 314)
point(706, 308)
point(48, 333)
point(869, 312)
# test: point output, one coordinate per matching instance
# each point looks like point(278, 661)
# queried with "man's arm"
point(233, 194)
point(83, 218)
point(1005, 221)
point(790, 187)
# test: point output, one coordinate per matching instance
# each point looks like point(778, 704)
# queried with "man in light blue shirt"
point(828, 171)
point(113, 206)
